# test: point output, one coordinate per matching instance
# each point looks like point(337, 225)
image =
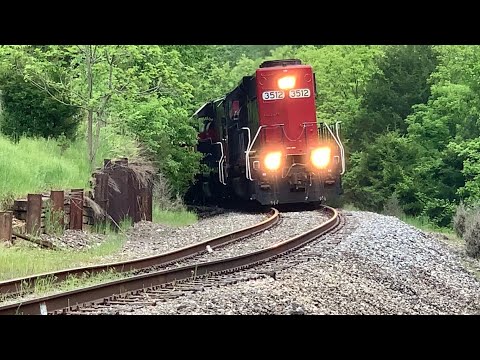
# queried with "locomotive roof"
point(245, 86)
point(282, 62)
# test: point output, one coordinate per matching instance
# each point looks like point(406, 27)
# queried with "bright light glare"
point(287, 82)
point(273, 160)
point(320, 157)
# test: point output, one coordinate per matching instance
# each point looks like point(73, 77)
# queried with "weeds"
point(54, 220)
point(459, 219)
point(472, 233)
point(393, 208)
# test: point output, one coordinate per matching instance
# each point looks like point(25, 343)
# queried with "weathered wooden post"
point(76, 209)
point(57, 199)
point(34, 213)
point(6, 225)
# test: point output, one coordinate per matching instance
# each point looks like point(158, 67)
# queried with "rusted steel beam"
point(134, 197)
point(6, 225)
point(44, 243)
point(101, 194)
point(143, 203)
point(149, 201)
point(57, 202)
point(34, 213)
point(76, 209)
point(118, 204)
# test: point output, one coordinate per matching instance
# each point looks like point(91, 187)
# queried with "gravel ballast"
point(381, 266)
point(147, 238)
point(290, 225)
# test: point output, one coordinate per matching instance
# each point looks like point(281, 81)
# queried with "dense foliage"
point(29, 111)
point(410, 113)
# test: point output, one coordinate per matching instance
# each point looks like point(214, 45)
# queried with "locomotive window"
point(235, 110)
point(314, 85)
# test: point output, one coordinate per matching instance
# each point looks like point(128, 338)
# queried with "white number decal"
point(273, 95)
point(299, 93)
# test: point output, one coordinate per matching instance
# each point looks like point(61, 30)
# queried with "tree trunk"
point(89, 63)
point(96, 141)
point(90, 137)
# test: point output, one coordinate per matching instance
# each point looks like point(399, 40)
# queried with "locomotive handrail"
point(342, 150)
point(249, 177)
point(339, 145)
point(221, 176)
point(247, 159)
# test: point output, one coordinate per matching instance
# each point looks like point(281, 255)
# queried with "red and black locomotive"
point(262, 141)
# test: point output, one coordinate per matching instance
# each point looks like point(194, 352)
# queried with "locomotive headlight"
point(273, 160)
point(286, 82)
point(320, 157)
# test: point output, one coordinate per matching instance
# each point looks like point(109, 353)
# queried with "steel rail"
point(15, 286)
point(100, 292)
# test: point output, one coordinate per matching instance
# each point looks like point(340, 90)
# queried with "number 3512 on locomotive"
point(293, 94)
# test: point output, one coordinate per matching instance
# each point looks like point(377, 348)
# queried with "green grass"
point(424, 223)
point(25, 261)
point(37, 165)
point(47, 285)
point(173, 217)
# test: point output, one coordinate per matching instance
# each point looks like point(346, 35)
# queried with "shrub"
point(459, 219)
point(392, 207)
point(472, 234)
point(164, 196)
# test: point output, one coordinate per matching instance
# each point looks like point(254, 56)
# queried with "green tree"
point(400, 83)
point(28, 111)
point(92, 77)
point(385, 167)
point(447, 129)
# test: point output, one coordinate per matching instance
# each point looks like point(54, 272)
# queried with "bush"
point(392, 207)
point(459, 219)
point(472, 234)
point(164, 197)
point(439, 211)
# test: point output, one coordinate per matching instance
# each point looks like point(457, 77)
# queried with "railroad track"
point(169, 282)
point(18, 286)
point(130, 302)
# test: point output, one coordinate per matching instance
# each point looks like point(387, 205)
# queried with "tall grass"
point(36, 165)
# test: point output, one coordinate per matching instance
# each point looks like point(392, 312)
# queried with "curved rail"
point(139, 282)
point(14, 286)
